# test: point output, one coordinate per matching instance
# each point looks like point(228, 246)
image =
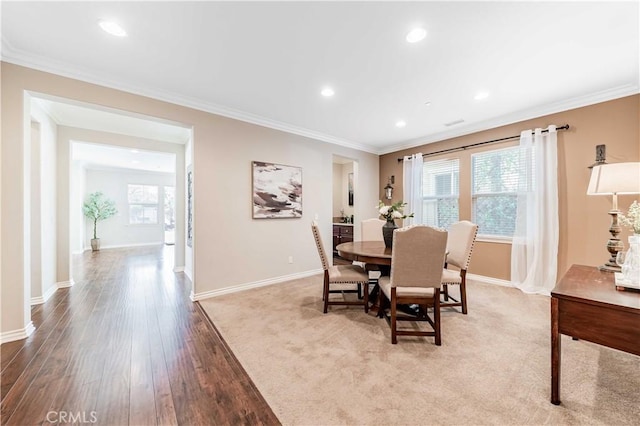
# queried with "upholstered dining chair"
point(462, 236)
point(340, 274)
point(372, 229)
point(417, 257)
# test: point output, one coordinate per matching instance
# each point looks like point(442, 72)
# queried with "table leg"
point(555, 352)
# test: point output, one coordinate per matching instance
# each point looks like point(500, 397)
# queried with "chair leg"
point(436, 317)
point(394, 337)
point(326, 292)
point(366, 297)
point(446, 292)
point(463, 295)
point(360, 291)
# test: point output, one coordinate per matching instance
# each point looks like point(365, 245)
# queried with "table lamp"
point(614, 179)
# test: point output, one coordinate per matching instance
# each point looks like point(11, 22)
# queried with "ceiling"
point(267, 62)
point(96, 156)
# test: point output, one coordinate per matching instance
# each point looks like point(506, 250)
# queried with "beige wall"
point(230, 248)
point(584, 221)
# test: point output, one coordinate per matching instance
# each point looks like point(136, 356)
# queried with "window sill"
point(494, 240)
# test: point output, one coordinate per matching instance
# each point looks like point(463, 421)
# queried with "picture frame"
point(276, 190)
point(350, 189)
point(189, 207)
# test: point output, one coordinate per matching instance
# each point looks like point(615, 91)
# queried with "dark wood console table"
point(586, 305)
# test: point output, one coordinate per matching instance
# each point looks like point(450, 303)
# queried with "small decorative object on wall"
point(277, 191)
point(189, 207)
point(350, 188)
point(98, 207)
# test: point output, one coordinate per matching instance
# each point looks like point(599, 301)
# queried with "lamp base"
point(609, 268)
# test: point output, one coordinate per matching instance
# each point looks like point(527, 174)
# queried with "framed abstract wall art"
point(277, 191)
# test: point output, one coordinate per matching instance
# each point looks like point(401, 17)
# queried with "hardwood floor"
point(125, 345)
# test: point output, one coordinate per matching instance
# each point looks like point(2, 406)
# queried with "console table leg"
point(555, 353)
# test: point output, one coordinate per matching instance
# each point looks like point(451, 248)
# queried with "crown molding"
point(12, 55)
point(17, 57)
point(522, 115)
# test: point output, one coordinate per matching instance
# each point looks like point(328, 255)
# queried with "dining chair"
point(417, 257)
point(462, 236)
point(340, 274)
point(371, 229)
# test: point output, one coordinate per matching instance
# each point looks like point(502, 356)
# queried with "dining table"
point(373, 253)
point(368, 252)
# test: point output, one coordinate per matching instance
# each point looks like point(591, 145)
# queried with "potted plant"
point(98, 207)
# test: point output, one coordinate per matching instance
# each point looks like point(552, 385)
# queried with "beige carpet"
point(493, 366)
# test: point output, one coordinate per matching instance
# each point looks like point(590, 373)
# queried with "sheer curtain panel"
point(412, 188)
point(534, 251)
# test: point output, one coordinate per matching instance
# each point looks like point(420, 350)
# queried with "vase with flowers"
point(390, 214)
point(631, 263)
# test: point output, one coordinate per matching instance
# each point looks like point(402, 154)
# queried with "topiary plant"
point(98, 207)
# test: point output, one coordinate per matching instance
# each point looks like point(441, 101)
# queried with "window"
point(440, 192)
point(143, 204)
point(496, 176)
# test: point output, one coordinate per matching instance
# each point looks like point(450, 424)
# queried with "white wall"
point(231, 250)
point(341, 190)
point(78, 179)
point(44, 206)
point(188, 251)
point(116, 231)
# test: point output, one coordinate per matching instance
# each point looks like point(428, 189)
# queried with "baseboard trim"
point(46, 296)
point(255, 284)
point(489, 280)
point(126, 245)
point(11, 336)
point(65, 284)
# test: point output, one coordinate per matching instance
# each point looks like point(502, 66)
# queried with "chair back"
point(319, 245)
point(372, 229)
point(462, 236)
point(417, 256)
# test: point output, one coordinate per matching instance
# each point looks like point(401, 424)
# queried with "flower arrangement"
point(394, 211)
point(632, 219)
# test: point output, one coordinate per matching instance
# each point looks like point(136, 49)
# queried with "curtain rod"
point(462, 148)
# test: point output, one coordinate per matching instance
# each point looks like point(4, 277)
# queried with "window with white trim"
point(143, 204)
point(440, 192)
point(496, 178)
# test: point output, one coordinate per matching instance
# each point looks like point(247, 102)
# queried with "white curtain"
point(412, 188)
point(534, 252)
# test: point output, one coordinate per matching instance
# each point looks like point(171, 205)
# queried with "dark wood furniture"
point(416, 277)
point(373, 252)
point(586, 305)
point(340, 274)
point(341, 234)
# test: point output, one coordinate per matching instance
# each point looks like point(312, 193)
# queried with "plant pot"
point(387, 232)
point(95, 244)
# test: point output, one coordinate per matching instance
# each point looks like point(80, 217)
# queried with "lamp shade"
point(618, 178)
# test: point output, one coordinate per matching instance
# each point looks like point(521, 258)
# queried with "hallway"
point(125, 345)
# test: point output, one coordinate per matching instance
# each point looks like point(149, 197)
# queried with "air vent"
point(453, 123)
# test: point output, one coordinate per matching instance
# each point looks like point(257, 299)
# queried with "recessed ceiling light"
point(112, 28)
point(481, 95)
point(401, 123)
point(327, 92)
point(416, 34)
point(427, 103)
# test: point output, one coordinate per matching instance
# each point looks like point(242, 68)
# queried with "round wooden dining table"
point(371, 252)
